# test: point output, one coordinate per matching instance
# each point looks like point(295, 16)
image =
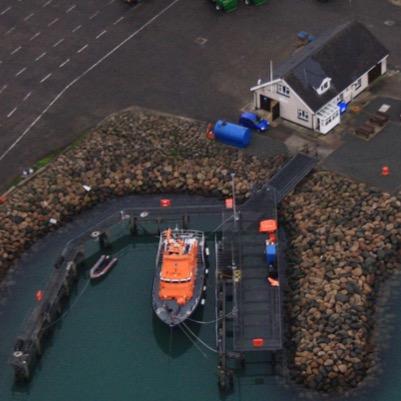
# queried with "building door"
point(275, 110)
point(265, 102)
point(375, 73)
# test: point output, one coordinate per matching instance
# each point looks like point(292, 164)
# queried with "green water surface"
point(110, 347)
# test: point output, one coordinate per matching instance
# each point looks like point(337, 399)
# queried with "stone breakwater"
point(136, 151)
point(344, 241)
point(343, 238)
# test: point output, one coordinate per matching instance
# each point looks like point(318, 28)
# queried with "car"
point(253, 121)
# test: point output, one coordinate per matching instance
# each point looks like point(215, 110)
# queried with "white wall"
point(384, 65)
point(289, 105)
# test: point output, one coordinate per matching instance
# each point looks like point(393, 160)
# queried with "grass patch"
point(45, 161)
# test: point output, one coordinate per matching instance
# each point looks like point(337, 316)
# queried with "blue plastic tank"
point(232, 134)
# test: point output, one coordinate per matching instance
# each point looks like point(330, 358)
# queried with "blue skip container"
point(232, 134)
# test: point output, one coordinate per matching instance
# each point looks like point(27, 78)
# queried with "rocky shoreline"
point(136, 151)
point(344, 239)
point(344, 242)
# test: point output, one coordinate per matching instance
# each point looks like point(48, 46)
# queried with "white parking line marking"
point(35, 36)
point(16, 50)
point(27, 96)
point(101, 34)
point(64, 63)
point(82, 48)
point(12, 112)
point(47, 3)
point(76, 28)
point(82, 75)
point(53, 22)
point(46, 77)
point(9, 31)
point(4, 87)
point(6, 10)
point(57, 43)
point(117, 21)
point(29, 16)
point(20, 71)
point(39, 57)
point(94, 15)
point(71, 8)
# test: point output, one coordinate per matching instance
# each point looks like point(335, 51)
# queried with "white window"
point(358, 84)
point(324, 86)
point(303, 115)
point(283, 90)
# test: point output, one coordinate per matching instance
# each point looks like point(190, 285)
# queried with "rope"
point(199, 339)
point(211, 321)
point(72, 305)
point(192, 341)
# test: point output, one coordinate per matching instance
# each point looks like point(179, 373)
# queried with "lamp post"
point(233, 194)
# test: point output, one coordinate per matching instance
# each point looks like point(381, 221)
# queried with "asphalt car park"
point(66, 65)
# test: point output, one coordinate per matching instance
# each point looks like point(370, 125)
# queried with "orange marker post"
point(258, 342)
point(165, 202)
point(229, 203)
point(385, 171)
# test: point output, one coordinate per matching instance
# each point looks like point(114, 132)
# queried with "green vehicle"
point(226, 5)
point(231, 5)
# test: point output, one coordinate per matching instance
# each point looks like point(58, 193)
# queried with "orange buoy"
point(229, 203)
point(209, 132)
point(165, 202)
point(258, 342)
point(385, 171)
point(39, 295)
point(210, 135)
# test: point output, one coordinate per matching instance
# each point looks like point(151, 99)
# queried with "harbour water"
point(110, 347)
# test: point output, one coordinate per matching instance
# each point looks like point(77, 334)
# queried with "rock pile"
point(344, 240)
point(132, 152)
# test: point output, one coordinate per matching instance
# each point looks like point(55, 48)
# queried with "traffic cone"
point(385, 171)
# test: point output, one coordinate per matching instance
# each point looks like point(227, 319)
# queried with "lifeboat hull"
point(169, 311)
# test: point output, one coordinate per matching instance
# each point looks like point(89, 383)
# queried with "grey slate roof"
point(343, 55)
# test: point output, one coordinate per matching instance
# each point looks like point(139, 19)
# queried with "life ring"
point(18, 354)
point(95, 234)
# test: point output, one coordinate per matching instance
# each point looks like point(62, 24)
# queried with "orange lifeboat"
point(180, 275)
point(178, 271)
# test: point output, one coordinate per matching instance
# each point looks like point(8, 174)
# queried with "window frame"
point(358, 84)
point(303, 115)
point(283, 90)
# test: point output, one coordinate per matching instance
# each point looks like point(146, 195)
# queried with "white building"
point(308, 88)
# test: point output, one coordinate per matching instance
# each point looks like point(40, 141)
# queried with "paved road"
point(64, 64)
